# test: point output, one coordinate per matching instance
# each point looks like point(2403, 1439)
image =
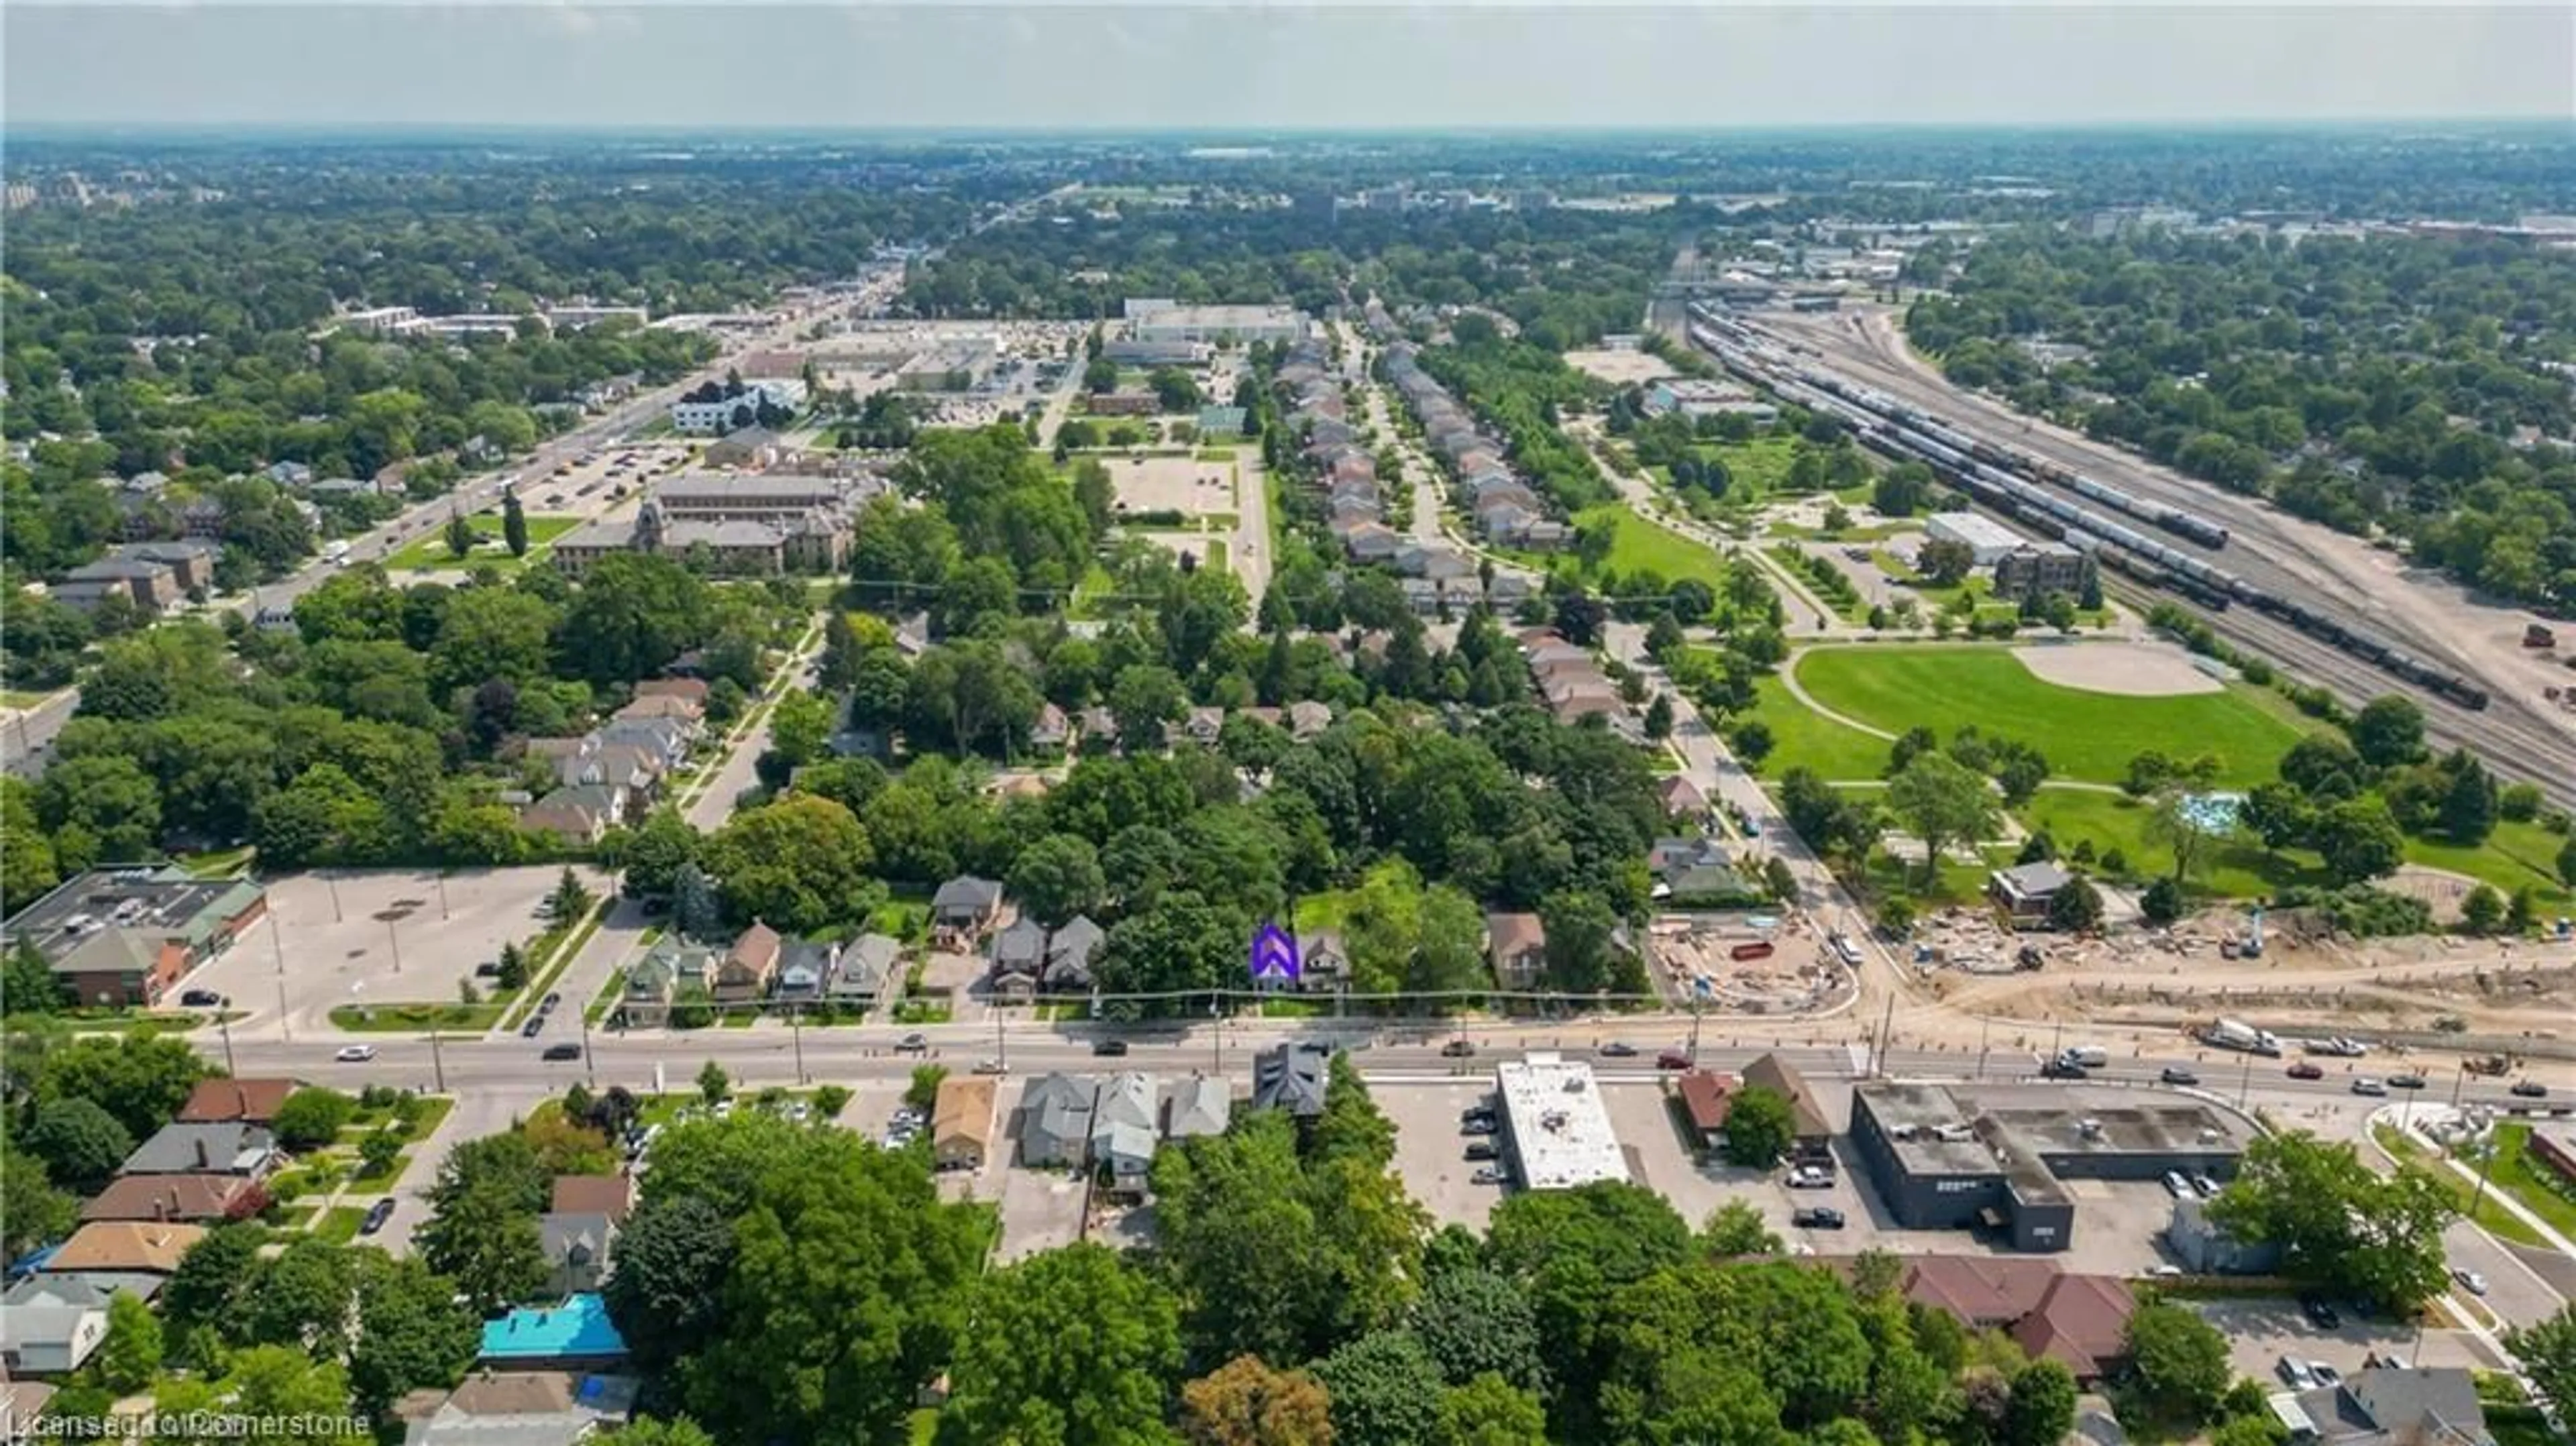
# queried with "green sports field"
point(1803, 738)
point(430, 553)
point(2086, 735)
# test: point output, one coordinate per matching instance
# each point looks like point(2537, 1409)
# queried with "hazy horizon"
point(1276, 70)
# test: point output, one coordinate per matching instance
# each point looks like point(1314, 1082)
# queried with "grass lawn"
point(1216, 559)
point(2233, 868)
point(1638, 542)
point(1216, 454)
point(221, 864)
point(365, 1179)
point(905, 919)
point(1802, 738)
point(2085, 735)
point(415, 1018)
point(340, 1223)
point(913, 1011)
point(2490, 1216)
point(430, 554)
point(2514, 1173)
point(1761, 463)
point(19, 698)
point(2516, 855)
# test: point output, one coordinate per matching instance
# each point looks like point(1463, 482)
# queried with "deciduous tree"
point(1246, 1402)
point(1760, 1127)
point(1070, 1345)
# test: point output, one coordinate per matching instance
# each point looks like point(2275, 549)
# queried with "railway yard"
point(2331, 609)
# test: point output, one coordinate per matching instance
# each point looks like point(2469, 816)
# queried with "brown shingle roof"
point(214, 1101)
point(1980, 1291)
point(1772, 1072)
point(2082, 1321)
point(146, 1248)
point(168, 1197)
point(592, 1195)
point(1511, 934)
point(1704, 1095)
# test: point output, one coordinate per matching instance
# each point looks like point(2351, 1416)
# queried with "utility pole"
point(1001, 1043)
point(442, 893)
point(2245, 1084)
point(224, 1023)
point(437, 1061)
point(589, 1066)
point(795, 1033)
point(1886, 1024)
point(395, 941)
point(1984, 1025)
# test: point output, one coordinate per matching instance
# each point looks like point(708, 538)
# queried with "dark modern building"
point(1952, 1158)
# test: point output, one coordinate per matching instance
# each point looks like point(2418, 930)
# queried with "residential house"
point(50, 1325)
point(805, 969)
point(191, 1199)
point(1292, 1077)
point(961, 1122)
point(1099, 728)
point(149, 586)
point(1516, 945)
point(963, 909)
point(1811, 1132)
point(124, 1247)
point(575, 1245)
point(653, 981)
point(1546, 535)
point(1019, 958)
point(1051, 729)
point(520, 1408)
point(1055, 1121)
point(1681, 799)
point(1071, 952)
point(1198, 1106)
point(867, 962)
point(1706, 1096)
point(574, 1333)
point(578, 815)
point(1307, 718)
point(2385, 1404)
point(748, 968)
point(1372, 542)
point(2079, 1320)
point(1123, 1137)
point(1203, 725)
point(610, 1195)
point(255, 1101)
point(690, 713)
point(693, 689)
point(1323, 964)
point(290, 474)
point(226, 1147)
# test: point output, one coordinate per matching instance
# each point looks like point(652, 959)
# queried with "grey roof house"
point(49, 1325)
point(1199, 1105)
point(1055, 1121)
point(1019, 957)
point(1070, 953)
point(2388, 1405)
point(576, 1250)
point(1122, 1131)
point(805, 968)
point(965, 905)
point(229, 1147)
point(1292, 1077)
point(866, 963)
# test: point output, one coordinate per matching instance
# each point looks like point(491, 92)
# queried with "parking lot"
point(377, 937)
point(1172, 484)
point(1431, 1155)
point(2260, 1332)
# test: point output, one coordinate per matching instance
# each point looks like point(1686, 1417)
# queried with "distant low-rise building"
point(124, 934)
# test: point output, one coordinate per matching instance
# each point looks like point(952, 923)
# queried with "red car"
point(2305, 1070)
point(1672, 1059)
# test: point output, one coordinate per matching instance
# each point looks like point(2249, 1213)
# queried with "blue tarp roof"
point(577, 1328)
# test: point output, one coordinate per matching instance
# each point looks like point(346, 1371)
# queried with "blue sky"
point(1330, 66)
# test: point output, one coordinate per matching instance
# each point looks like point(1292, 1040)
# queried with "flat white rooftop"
point(1560, 1135)
point(1981, 533)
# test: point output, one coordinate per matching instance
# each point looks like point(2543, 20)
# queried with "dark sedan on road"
point(2176, 1075)
point(529, 1030)
point(2406, 1081)
point(2305, 1070)
point(2530, 1089)
point(1817, 1217)
point(563, 1051)
point(1616, 1050)
point(377, 1215)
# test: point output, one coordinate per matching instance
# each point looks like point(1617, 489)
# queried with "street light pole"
point(796, 1035)
point(437, 1061)
point(394, 940)
point(224, 1023)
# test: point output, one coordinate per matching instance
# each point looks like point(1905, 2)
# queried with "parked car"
point(1109, 1048)
point(488, 969)
point(2320, 1312)
point(2470, 1281)
point(536, 1023)
point(1489, 1176)
point(1458, 1048)
point(2326, 1375)
point(1483, 1126)
point(2176, 1075)
point(2064, 1069)
point(991, 1066)
point(377, 1215)
point(1817, 1217)
point(2305, 1070)
point(355, 1053)
point(1616, 1050)
point(201, 999)
point(2176, 1185)
point(2406, 1081)
point(2365, 1085)
point(563, 1051)
point(1483, 1150)
point(2296, 1373)
point(2530, 1089)
point(2207, 1187)
point(1809, 1177)
point(553, 998)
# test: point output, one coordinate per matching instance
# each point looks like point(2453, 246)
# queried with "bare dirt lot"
point(1172, 484)
point(378, 937)
point(1619, 368)
point(2137, 670)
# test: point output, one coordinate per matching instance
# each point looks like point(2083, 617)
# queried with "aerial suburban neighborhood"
point(1275, 783)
